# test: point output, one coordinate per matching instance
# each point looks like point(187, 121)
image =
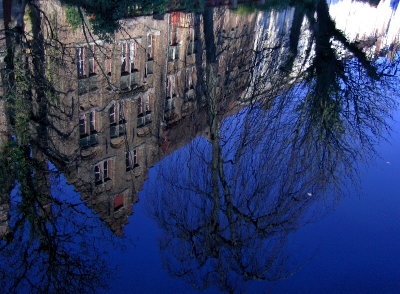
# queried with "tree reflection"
point(50, 246)
point(49, 243)
point(341, 97)
point(227, 204)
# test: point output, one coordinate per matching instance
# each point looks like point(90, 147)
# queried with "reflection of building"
point(131, 102)
point(379, 25)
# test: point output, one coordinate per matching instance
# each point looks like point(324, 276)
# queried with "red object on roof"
point(175, 17)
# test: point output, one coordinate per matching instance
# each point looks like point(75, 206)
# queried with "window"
point(146, 102)
point(140, 107)
point(171, 86)
point(81, 62)
point(148, 66)
point(131, 159)
point(191, 49)
point(91, 60)
point(102, 171)
point(124, 57)
point(109, 66)
point(83, 129)
point(88, 129)
point(174, 35)
point(116, 115)
point(190, 77)
point(171, 93)
point(144, 110)
point(148, 70)
point(144, 105)
point(128, 57)
point(129, 64)
point(173, 53)
point(150, 47)
point(92, 121)
point(112, 114)
point(86, 61)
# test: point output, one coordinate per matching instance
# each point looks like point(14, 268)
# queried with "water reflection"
point(48, 244)
point(227, 204)
point(271, 112)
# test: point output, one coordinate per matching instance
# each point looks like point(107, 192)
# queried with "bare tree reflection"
point(338, 97)
point(51, 245)
point(227, 204)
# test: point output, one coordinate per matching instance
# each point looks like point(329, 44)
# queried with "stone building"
point(127, 103)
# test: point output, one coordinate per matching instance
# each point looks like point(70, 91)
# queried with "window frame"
point(103, 171)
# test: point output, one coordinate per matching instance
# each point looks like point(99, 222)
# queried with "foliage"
point(246, 9)
point(73, 17)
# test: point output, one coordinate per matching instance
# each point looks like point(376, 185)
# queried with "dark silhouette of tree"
point(50, 245)
point(335, 92)
point(227, 204)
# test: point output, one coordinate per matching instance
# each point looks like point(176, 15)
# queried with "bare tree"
point(227, 204)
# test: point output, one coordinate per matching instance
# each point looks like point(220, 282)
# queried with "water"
point(214, 149)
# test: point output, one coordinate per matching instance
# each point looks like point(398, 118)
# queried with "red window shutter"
point(118, 201)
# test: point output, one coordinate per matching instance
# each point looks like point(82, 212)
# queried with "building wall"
point(143, 93)
point(160, 95)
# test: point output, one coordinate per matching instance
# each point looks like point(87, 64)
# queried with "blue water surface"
point(353, 249)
